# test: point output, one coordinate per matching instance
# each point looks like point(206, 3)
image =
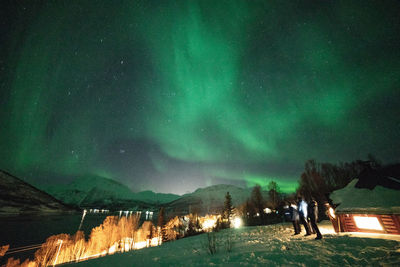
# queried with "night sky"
point(175, 95)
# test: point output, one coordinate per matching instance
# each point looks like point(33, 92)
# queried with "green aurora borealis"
point(175, 95)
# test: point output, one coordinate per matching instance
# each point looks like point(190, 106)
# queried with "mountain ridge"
point(100, 192)
point(90, 189)
point(20, 197)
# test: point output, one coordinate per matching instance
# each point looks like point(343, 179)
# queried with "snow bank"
point(272, 245)
point(380, 200)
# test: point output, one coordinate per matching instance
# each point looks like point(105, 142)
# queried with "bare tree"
point(258, 202)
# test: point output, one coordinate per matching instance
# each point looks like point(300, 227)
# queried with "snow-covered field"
point(272, 245)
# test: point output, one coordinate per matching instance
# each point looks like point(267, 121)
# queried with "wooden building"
point(370, 204)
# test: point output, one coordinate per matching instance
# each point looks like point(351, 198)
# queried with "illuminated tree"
point(173, 228)
point(161, 224)
point(193, 225)
point(161, 218)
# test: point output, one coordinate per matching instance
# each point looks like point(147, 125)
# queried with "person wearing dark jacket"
point(302, 208)
point(313, 216)
point(294, 216)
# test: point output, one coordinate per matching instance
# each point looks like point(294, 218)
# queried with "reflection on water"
point(83, 217)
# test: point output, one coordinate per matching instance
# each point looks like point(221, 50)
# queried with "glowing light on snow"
point(370, 223)
point(326, 230)
point(113, 249)
point(237, 222)
point(147, 243)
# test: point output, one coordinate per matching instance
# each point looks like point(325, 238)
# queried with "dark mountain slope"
point(17, 196)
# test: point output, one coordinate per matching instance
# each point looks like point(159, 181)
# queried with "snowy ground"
point(272, 245)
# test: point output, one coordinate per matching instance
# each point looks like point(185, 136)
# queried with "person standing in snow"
point(302, 208)
point(313, 216)
point(294, 216)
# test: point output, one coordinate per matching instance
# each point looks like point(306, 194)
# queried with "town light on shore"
point(209, 224)
point(237, 222)
point(369, 223)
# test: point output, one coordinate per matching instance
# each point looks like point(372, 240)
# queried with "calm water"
point(19, 231)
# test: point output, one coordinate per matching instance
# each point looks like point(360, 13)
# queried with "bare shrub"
point(212, 241)
point(3, 250)
point(228, 243)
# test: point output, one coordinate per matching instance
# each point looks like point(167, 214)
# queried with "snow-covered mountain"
point(151, 197)
point(88, 189)
point(216, 193)
point(17, 196)
point(209, 199)
point(96, 191)
point(92, 190)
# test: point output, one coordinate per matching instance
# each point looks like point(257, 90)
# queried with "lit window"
point(370, 223)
